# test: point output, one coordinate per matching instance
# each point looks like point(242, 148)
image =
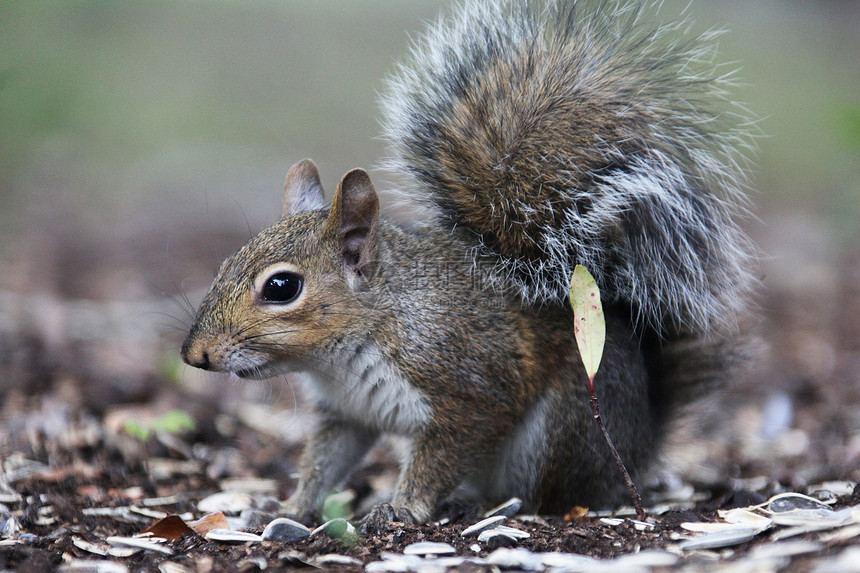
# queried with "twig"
point(634, 491)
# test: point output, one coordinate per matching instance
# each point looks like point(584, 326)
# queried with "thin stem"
point(634, 491)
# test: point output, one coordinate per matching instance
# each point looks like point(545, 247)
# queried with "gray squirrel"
point(537, 136)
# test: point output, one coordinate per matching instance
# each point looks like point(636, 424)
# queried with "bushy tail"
point(578, 133)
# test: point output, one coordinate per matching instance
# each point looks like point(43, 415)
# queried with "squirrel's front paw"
point(381, 515)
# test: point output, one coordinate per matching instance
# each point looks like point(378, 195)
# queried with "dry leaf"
point(171, 527)
point(208, 522)
point(576, 513)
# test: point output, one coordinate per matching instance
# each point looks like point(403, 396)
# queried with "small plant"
point(338, 505)
point(171, 422)
point(589, 328)
point(336, 510)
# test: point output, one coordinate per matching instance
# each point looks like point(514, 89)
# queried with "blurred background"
point(143, 142)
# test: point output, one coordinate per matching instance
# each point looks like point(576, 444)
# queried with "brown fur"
point(478, 357)
point(539, 139)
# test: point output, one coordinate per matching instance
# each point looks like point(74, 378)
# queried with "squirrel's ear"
point(353, 218)
point(302, 189)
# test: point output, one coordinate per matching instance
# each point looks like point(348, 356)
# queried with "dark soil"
point(63, 493)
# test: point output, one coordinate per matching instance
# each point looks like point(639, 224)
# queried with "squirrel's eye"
point(282, 288)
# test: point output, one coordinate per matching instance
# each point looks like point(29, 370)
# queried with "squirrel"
point(536, 136)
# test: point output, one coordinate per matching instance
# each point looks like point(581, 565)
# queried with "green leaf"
point(136, 430)
point(173, 422)
point(589, 324)
point(338, 505)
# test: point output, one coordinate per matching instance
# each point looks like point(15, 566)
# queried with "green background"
point(130, 130)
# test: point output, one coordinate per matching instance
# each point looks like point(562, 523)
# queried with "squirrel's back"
point(558, 134)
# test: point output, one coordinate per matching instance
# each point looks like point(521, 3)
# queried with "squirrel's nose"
point(194, 354)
